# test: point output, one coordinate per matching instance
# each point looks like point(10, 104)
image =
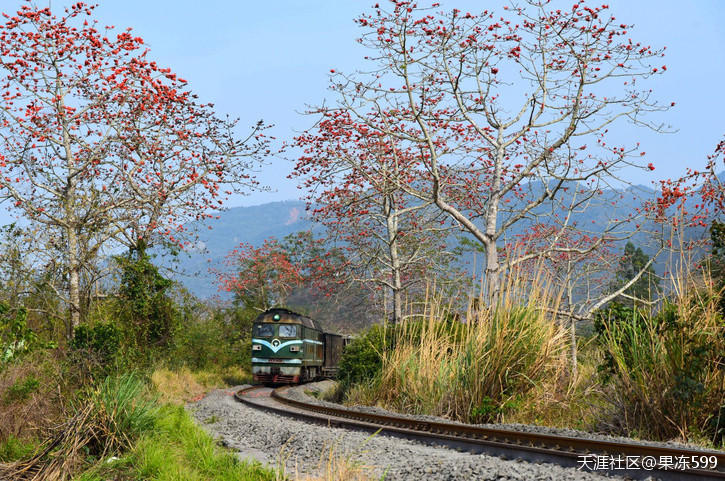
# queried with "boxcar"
point(286, 348)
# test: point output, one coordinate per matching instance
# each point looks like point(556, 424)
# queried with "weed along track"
point(637, 461)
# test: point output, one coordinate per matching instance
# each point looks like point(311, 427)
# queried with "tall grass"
point(473, 371)
point(123, 409)
point(668, 370)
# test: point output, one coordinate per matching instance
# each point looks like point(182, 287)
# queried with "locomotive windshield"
point(286, 330)
point(265, 330)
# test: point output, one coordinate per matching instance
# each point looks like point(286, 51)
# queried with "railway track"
point(606, 457)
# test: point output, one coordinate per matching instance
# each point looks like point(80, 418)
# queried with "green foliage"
point(16, 338)
point(218, 341)
point(362, 359)
point(102, 341)
point(632, 262)
point(668, 370)
point(123, 410)
point(623, 323)
point(147, 314)
point(493, 409)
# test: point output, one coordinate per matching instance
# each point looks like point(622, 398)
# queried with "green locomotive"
point(289, 348)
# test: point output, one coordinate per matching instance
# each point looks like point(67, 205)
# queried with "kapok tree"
point(357, 176)
point(260, 277)
point(101, 146)
point(509, 112)
point(265, 276)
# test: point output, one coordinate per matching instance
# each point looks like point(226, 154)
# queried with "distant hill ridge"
point(254, 224)
point(251, 225)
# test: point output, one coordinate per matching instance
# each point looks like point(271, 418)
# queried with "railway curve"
point(566, 451)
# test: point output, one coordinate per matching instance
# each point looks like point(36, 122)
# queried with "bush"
point(16, 338)
point(100, 342)
point(216, 341)
point(147, 314)
point(362, 358)
point(667, 372)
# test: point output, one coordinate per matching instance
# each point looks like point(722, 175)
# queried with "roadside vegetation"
point(109, 404)
point(655, 373)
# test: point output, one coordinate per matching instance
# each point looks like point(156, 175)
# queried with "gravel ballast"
point(302, 448)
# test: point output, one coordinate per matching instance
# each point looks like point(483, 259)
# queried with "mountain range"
point(251, 225)
point(254, 224)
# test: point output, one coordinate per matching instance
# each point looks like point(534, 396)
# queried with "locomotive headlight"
point(294, 348)
point(256, 347)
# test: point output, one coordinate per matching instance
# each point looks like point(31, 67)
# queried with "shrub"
point(667, 372)
point(148, 315)
point(362, 358)
point(101, 342)
point(16, 338)
point(212, 341)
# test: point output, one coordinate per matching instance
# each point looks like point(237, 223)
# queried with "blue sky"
point(268, 60)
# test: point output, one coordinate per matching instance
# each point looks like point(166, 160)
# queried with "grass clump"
point(123, 408)
point(666, 373)
point(472, 372)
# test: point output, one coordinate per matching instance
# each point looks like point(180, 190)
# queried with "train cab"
point(286, 348)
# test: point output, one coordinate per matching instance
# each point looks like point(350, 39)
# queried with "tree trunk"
point(397, 285)
point(74, 291)
point(493, 274)
point(574, 367)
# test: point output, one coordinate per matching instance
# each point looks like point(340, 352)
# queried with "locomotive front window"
point(285, 330)
point(265, 330)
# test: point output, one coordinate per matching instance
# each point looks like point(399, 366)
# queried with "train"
point(290, 348)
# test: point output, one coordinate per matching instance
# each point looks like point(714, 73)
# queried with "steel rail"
point(565, 451)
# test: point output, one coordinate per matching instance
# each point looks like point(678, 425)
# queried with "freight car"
point(289, 348)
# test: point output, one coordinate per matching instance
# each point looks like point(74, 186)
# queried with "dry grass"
point(183, 385)
point(33, 395)
point(116, 413)
point(58, 457)
point(335, 464)
point(669, 371)
point(474, 371)
point(563, 402)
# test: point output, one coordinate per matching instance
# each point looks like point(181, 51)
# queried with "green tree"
point(716, 260)
point(148, 314)
point(635, 265)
